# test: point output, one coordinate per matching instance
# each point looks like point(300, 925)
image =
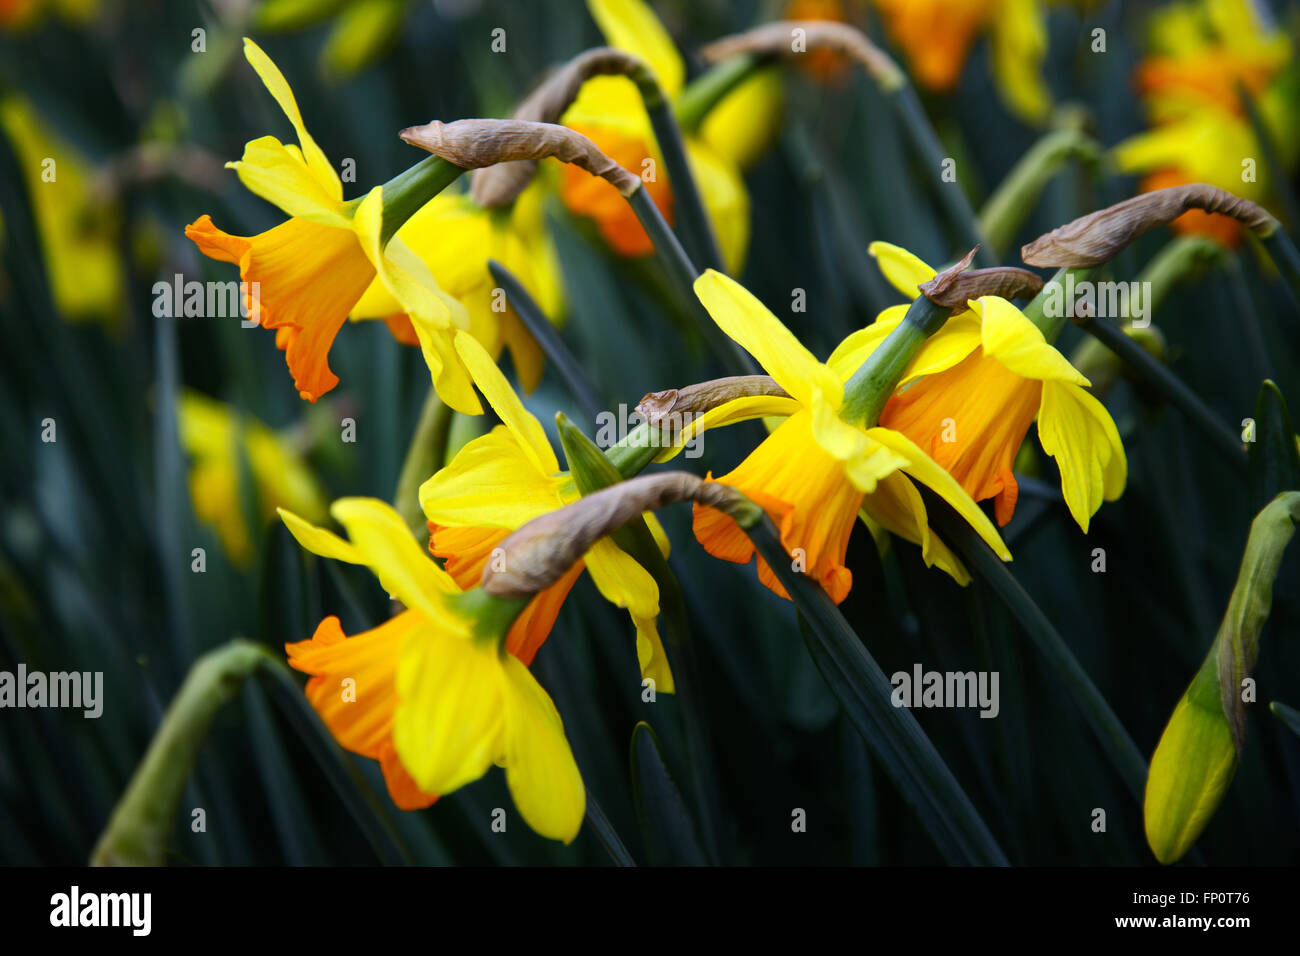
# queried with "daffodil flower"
point(972, 406)
point(434, 702)
point(610, 113)
point(215, 437)
point(80, 248)
point(312, 269)
point(815, 472)
point(504, 479)
point(1203, 54)
point(936, 36)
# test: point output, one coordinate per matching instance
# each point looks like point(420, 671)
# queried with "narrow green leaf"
point(1274, 457)
point(666, 824)
point(1115, 740)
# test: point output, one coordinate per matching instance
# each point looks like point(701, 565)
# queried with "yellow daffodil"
point(501, 481)
point(972, 406)
point(609, 112)
point(311, 270)
point(936, 36)
point(434, 702)
point(1202, 54)
point(77, 230)
point(455, 238)
point(215, 436)
point(815, 472)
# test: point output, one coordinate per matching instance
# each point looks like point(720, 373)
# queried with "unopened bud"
point(701, 397)
point(501, 184)
point(539, 553)
point(478, 143)
point(1099, 236)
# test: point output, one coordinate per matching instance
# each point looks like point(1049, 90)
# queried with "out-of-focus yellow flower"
point(506, 478)
point(455, 238)
point(311, 270)
point(434, 702)
point(77, 231)
point(1202, 52)
point(18, 14)
point(609, 111)
point(972, 410)
point(936, 37)
point(217, 437)
point(815, 472)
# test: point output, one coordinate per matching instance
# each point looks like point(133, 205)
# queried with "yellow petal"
point(631, 25)
point(1008, 336)
point(449, 726)
point(923, 468)
point(725, 200)
point(728, 413)
point(384, 543)
point(278, 174)
point(319, 541)
point(318, 166)
point(490, 483)
point(1076, 430)
point(903, 270)
point(898, 507)
point(521, 422)
point(541, 773)
point(435, 316)
point(651, 656)
point(1019, 47)
point(865, 460)
point(738, 313)
point(621, 580)
point(747, 120)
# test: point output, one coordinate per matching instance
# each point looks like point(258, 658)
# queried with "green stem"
point(140, 828)
point(706, 91)
point(1115, 740)
point(871, 386)
point(535, 320)
point(893, 735)
point(689, 207)
point(408, 191)
point(683, 274)
point(1009, 206)
point(423, 457)
point(1170, 387)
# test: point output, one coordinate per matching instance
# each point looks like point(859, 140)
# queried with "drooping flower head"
point(972, 408)
point(426, 694)
point(815, 472)
point(305, 275)
point(506, 478)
